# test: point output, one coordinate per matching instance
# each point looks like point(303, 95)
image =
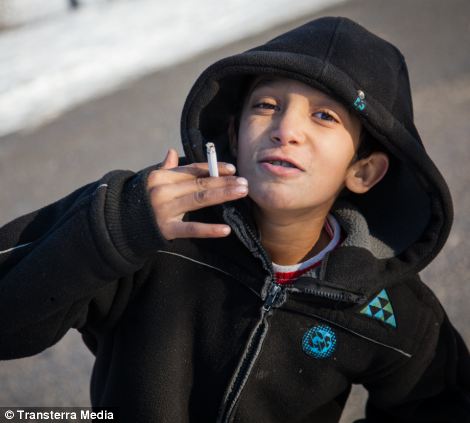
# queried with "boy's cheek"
point(245, 162)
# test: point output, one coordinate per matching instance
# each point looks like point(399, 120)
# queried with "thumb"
point(171, 159)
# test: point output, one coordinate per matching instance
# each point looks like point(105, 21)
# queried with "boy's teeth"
point(281, 163)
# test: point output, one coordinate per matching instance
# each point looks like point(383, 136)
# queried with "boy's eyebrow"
point(334, 103)
point(326, 99)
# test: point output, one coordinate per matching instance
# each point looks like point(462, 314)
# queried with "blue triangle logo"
point(380, 308)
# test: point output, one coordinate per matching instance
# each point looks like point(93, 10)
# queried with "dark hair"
point(243, 92)
point(368, 145)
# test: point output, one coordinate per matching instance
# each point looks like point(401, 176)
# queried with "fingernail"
point(241, 190)
point(226, 230)
point(242, 181)
point(230, 167)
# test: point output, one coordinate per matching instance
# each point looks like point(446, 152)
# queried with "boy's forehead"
point(263, 81)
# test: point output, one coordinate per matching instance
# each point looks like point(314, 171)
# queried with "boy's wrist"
point(130, 218)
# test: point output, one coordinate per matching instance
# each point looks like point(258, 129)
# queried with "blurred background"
point(87, 86)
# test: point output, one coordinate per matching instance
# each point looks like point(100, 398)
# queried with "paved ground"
point(133, 127)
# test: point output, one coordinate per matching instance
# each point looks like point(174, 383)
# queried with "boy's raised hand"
point(175, 190)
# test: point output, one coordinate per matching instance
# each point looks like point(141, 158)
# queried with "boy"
point(263, 296)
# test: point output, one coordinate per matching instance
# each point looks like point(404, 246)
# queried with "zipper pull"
point(273, 295)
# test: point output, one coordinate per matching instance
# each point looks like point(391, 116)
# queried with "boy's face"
point(295, 145)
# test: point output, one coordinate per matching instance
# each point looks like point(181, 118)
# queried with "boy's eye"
point(267, 106)
point(324, 115)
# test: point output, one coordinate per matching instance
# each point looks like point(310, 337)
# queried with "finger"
point(199, 230)
point(171, 159)
point(166, 192)
point(201, 199)
point(202, 169)
point(186, 173)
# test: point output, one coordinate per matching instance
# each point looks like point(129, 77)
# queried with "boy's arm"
point(61, 264)
point(74, 262)
point(433, 386)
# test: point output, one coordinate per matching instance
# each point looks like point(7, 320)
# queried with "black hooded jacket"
point(197, 330)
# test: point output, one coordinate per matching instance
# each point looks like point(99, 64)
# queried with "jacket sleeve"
point(433, 386)
point(73, 262)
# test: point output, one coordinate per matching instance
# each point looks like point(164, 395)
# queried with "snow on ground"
point(53, 64)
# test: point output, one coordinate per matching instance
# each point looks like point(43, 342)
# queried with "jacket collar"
point(363, 264)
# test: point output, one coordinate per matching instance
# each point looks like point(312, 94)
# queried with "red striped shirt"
point(286, 275)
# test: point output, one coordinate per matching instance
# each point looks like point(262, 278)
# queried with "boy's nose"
point(288, 129)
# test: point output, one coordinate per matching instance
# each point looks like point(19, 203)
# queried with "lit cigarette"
point(212, 159)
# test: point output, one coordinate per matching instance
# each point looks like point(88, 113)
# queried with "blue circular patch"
point(319, 341)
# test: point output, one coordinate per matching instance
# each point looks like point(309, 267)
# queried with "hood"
point(407, 216)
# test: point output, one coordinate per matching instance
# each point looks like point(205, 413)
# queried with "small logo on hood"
point(359, 103)
point(319, 341)
point(380, 308)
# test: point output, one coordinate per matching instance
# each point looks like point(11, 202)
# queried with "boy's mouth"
point(281, 161)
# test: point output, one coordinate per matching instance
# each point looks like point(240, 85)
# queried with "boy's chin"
point(277, 202)
point(282, 201)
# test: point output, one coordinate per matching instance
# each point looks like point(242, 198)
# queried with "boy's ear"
point(365, 173)
point(232, 136)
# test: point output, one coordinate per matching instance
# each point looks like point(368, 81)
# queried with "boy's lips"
point(280, 165)
point(282, 161)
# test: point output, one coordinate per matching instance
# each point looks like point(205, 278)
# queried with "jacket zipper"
point(332, 294)
point(273, 294)
point(246, 364)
